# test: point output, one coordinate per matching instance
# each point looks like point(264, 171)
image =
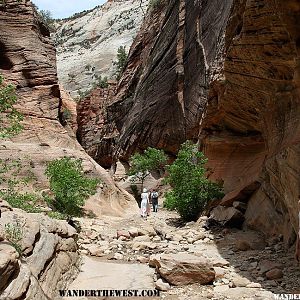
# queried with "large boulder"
point(227, 216)
point(183, 268)
point(49, 256)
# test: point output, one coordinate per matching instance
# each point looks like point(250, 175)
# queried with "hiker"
point(144, 203)
point(154, 198)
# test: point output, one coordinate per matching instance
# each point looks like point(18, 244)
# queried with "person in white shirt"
point(144, 203)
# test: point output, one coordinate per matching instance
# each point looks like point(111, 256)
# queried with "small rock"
point(253, 285)
point(134, 232)
point(242, 245)
point(240, 281)
point(162, 285)
point(124, 233)
point(156, 239)
point(142, 259)
point(118, 256)
point(274, 274)
point(260, 278)
point(271, 283)
point(190, 240)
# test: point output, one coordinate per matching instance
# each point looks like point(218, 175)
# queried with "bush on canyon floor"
point(10, 118)
point(142, 164)
point(69, 185)
point(191, 190)
point(15, 176)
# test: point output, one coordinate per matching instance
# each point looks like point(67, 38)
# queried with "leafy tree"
point(10, 118)
point(191, 190)
point(121, 61)
point(69, 185)
point(141, 164)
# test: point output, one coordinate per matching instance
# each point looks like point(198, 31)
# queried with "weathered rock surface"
point(233, 81)
point(27, 59)
point(251, 129)
point(49, 256)
point(182, 268)
point(90, 41)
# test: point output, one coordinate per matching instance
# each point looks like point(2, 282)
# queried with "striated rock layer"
point(251, 130)
point(225, 73)
point(28, 61)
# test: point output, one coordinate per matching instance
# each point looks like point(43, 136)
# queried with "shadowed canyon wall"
point(225, 73)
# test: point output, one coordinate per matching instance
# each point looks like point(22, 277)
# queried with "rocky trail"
point(133, 253)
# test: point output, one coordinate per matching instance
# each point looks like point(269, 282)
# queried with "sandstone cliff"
point(226, 74)
point(27, 59)
point(90, 42)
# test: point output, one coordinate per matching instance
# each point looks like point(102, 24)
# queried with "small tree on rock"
point(142, 164)
point(191, 190)
point(69, 185)
point(121, 61)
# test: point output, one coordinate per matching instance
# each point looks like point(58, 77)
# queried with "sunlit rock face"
point(87, 43)
point(27, 59)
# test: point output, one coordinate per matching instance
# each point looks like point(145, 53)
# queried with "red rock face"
point(94, 126)
point(251, 130)
point(225, 73)
point(27, 59)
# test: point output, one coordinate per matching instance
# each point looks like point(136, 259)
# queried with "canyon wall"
point(224, 74)
point(251, 129)
point(90, 41)
point(27, 59)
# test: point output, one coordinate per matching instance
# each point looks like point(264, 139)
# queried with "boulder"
point(123, 233)
point(8, 263)
point(227, 216)
point(183, 268)
point(274, 274)
point(267, 265)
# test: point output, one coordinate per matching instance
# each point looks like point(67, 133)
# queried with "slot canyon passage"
point(223, 74)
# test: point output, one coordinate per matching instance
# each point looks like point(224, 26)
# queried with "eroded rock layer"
point(251, 130)
point(225, 73)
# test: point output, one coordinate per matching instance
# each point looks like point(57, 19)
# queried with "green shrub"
point(10, 118)
point(25, 201)
point(121, 61)
point(191, 190)
point(100, 82)
point(141, 164)
point(15, 175)
point(69, 185)
point(14, 234)
point(56, 215)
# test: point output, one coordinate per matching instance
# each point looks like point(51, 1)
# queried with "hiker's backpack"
point(154, 195)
